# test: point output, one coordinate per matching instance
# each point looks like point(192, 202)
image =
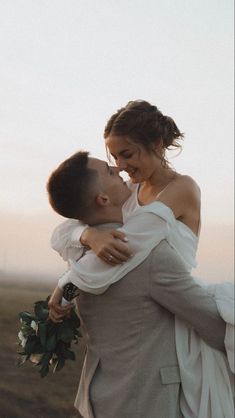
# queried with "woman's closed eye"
point(127, 155)
point(124, 156)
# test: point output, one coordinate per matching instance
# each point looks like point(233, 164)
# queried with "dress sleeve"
point(66, 239)
point(93, 275)
point(64, 279)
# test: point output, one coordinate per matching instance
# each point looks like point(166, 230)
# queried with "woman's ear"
point(157, 146)
point(102, 200)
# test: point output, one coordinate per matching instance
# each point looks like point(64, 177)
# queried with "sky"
point(67, 65)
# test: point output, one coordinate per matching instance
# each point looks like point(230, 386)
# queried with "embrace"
point(158, 341)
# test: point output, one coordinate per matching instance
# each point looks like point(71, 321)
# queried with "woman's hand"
point(110, 245)
point(56, 311)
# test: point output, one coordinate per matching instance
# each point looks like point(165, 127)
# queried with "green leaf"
point(64, 333)
point(51, 327)
point(51, 343)
point(45, 364)
point(44, 371)
point(59, 364)
point(43, 303)
point(42, 333)
point(27, 330)
point(30, 346)
point(26, 317)
point(39, 349)
point(41, 310)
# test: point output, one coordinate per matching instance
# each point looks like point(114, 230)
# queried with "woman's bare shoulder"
point(187, 185)
point(182, 194)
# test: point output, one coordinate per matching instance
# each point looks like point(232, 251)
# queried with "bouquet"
point(45, 343)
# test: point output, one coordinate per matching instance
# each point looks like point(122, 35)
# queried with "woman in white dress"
point(137, 136)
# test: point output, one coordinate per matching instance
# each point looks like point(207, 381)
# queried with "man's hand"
point(111, 246)
point(56, 311)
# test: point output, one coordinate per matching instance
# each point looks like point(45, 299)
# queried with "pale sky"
point(67, 65)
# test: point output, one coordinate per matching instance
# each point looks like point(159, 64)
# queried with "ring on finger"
point(110, 257)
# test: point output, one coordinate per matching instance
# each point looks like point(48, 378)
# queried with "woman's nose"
point(121, 165)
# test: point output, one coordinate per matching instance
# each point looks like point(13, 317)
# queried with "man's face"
point(111, 183)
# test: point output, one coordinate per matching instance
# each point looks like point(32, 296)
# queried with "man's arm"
point(175, 289)
point(56, 311)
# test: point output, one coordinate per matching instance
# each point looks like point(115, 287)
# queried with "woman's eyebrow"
point(121, 152)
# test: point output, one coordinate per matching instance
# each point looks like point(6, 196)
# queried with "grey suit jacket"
point(131, 368)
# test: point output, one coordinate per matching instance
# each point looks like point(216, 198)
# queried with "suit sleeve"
point(172, 286)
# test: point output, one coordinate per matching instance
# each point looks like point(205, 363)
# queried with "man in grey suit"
point(131, 367)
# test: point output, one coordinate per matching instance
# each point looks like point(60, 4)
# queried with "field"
point(23, 393)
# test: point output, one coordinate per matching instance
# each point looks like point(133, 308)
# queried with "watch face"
point(70, 291)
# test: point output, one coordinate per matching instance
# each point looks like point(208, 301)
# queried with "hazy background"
point(66, 66)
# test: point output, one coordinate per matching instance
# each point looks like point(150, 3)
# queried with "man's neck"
point(106, 216)
point(108, 225)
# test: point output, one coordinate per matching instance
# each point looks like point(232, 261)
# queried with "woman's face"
point(139, 163)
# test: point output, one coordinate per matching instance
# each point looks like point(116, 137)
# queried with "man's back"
point(131, 368)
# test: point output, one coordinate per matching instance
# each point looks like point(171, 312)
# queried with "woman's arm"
point(70, 238)
point(90, 274)
point(109, 245)
point(66, 239)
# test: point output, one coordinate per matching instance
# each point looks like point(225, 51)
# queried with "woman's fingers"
point(111, 260)
point(118, 234)
point(116, 255)
point(106, 244)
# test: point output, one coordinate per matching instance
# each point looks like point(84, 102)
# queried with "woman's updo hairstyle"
point(144, 124)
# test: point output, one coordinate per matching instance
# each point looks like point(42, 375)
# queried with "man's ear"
point(102, 200)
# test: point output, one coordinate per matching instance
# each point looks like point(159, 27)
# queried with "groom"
point(131, 368)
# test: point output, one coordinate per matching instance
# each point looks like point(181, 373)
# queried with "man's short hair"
point(70, 185)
